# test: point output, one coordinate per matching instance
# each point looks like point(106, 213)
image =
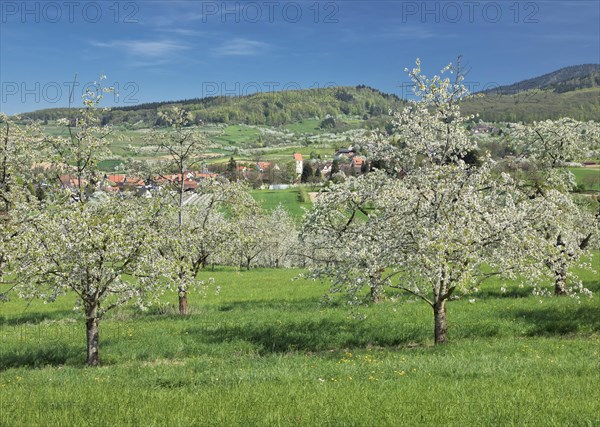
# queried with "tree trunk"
point(181, 191)
point(560, 282)
point(376, 294)
point(376, 286)
point(439, 316)
point(183, 302)
point(248, 264)
point(93, 337)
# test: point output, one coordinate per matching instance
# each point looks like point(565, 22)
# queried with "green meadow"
point(587, 178)
point(265, 351)
point(290, 199)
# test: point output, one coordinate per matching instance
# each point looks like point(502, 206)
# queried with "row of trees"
point(434, 221)
point(430, 222)
point(60, 233)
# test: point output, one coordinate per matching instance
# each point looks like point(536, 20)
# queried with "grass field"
point(588, 177)
point(110, 165)
point(289, 199)
point(310, 126)
point(264, 352)
point(237, 135)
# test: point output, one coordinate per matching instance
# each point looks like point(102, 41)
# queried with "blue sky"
point(155, 51)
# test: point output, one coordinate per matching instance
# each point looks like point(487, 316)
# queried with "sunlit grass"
point(263, 352)
point(289, 199)
point(588, 178)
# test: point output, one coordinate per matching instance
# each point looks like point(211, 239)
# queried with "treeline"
point(372, 105)
point(266, 108)
point(535, 105)
point(563, 80)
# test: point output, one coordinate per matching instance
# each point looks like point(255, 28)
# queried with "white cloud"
point(144, 48)
point(184, 32)
point(396, 33)
point(241, 47)
point(408, 33)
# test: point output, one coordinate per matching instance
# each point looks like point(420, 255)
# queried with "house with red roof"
point(71, 181)
point(357, 162)
point(262, 166)
point(299, 163)
point(123, 181)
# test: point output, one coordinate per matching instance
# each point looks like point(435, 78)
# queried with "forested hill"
point(571, 92)
point(564, 80)
point(265, 108)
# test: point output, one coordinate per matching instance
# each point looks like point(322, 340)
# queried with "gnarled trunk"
point(376, 286)
point(93, 336)
point(183, 302)
point(560, 281)
point(376, 294)
point(439, 317)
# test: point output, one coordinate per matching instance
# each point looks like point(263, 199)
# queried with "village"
point(259, 175)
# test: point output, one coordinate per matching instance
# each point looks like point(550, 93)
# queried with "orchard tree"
point(206, 230)
point(347, 241)
point(99, 250)
point(250, 233)
point(572, 233)
point(281, 239)
point(427, 234)
point(96, 245)
point(544, 149)
point(428, 222)
point(87, 143)
point(19, 145)
point(184, 146)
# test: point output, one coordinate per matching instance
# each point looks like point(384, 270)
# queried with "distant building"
point(326, 169)
point(485, 129)
point(71, 181)
point(345, 152)
point(299, 163)
point(279, 186)
point(262, 166)
point(123, 181)
point(189, 181)
point(357, 162)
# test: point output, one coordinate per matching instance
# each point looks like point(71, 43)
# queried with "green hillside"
point(582, 104)
point(566, 79)
point(267, 108)
point(571, 91)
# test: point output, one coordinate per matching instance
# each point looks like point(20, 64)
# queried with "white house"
point(299, 163)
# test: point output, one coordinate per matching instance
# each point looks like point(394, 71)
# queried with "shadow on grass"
point(295, 305)
point(34, 318)
point(310, 336)
point(171, 311)
point(550, 321)
point(593, 286)
point(511, 292)
point(47, 355)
